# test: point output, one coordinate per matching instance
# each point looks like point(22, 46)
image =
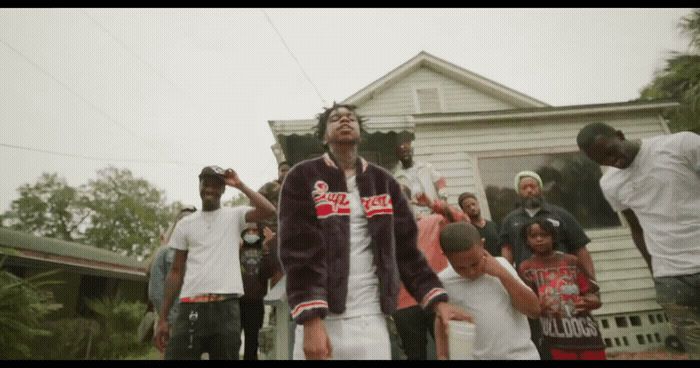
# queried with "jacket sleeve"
point(417, 276)
point(301, 249)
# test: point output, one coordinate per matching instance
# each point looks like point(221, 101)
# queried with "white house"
point(479, 134)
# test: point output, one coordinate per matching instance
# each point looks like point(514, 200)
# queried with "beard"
point(531, 202)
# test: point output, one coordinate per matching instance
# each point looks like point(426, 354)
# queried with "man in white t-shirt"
point(655, 183)
point(206, 271)
point(426, 184)
point(490, 290)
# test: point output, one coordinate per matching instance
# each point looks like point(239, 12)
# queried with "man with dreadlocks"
point(346, 236)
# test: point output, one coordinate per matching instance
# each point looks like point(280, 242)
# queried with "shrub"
point(23, 305)
point(118, 321)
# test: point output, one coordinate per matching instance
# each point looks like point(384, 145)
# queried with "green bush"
point(71, 338)
point(23, 305)
point(118, 321)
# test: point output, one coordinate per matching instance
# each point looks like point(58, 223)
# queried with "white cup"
point(462, 335)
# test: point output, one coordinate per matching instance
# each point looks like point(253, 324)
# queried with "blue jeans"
point(680, 298)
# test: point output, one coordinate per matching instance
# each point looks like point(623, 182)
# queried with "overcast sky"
point(167, 91)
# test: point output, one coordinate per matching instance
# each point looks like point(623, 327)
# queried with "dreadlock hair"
point(320, 129)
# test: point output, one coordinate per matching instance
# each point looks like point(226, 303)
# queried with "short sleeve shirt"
point(212, 241)
point(563, 282)
point(570, 234)
point(662, 187)
point(420, 178)
point(502, 332)
point(490, 234)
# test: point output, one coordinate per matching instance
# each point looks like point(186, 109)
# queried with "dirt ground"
point(649, 355)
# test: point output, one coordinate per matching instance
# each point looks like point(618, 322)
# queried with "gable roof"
point(424, 59)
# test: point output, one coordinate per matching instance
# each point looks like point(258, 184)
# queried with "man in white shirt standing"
point(207, 269)
point(426, 183)
point(655, 183)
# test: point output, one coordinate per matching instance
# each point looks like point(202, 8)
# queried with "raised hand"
point(491, 265)
point(231, 178)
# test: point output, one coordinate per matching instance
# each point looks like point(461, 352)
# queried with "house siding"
point(400, 98)
point(454, 149)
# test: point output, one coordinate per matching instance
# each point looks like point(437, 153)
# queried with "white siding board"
point(625, 281)
point(621, 296)
point(618, 285)
point(619, 264)
point(626, 307)
point(623, 274)
point(456, 97)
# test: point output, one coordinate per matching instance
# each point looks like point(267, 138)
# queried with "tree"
point(126, 213)
point(680, 80)
point(48, 208)
point(239, 200)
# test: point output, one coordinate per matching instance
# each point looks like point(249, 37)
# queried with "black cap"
point(213, 170)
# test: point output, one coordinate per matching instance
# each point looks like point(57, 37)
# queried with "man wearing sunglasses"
point(206, 272)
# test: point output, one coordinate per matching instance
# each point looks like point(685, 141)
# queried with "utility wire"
point(269, 20)
point(76, 94)
point(150, 66)
point(95, 158)
point(134, 53)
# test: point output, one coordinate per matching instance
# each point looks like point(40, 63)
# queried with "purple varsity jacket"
point(314, 239)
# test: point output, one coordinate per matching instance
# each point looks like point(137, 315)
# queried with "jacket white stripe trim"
point(301, 307)
point(432, 294)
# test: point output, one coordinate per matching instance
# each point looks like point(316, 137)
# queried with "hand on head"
point(231, 178)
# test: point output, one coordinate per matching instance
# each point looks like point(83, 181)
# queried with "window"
point(570, 180)
point(428, 100)
point(635, 321)
point(621, 322)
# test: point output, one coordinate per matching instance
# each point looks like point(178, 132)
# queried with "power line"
point(323, 101)
point(95, 158)
point(76, 94)
point(134, 53)
point(64, 85)
point(150, 66)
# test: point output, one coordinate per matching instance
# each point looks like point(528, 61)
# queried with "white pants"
point(357, 338)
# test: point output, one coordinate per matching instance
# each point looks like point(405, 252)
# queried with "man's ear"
point(619, 134)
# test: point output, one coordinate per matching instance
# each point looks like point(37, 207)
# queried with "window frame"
point(416, 99)
point(476, 157)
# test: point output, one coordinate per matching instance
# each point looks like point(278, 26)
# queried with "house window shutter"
point(428, 100)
